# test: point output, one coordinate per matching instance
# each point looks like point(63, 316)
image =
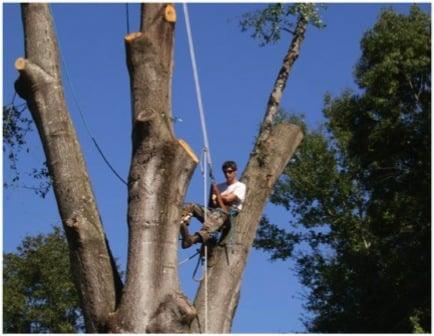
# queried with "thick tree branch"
point(161, 169)
point(40, 84)
point(275, 145)
point(282, 77)
point(224, 278)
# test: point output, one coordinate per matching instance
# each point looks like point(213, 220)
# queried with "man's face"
point(230, 175)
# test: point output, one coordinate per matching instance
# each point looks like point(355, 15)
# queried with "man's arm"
point(218, 197)
point(229, 198)
point(237, 195)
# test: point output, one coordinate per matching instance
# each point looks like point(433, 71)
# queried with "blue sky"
point(236, 76)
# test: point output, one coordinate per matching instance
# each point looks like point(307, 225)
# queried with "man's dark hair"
point(229, 164)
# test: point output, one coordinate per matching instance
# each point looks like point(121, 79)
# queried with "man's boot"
point(186, 238)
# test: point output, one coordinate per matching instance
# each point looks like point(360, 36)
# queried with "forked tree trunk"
point(161, 169)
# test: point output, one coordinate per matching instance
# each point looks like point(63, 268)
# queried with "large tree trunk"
point(40, 85)
point(274, 147)
point(161, 169)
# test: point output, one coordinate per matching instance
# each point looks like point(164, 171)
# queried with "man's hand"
point(214, 199)
point(220, 202)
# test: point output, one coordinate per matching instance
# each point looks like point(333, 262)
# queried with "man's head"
point(229, 169)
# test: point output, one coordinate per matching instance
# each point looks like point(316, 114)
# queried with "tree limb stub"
point(97, 282)
point(170, 13)
point(32, 78)
point(33, 72)
point(188, 149)
point(132, 36)
point(20, 63)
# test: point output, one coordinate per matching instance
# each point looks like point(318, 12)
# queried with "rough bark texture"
point(160, 172)
point(274, 147)
point(40, 85)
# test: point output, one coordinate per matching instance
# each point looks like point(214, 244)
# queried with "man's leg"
point(190, 210)
point(214, 221)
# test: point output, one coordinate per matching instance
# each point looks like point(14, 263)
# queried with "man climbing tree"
point(151, 299)
point(225, 203)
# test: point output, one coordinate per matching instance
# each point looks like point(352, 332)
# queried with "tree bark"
point(161, 169)
point(275, 145)
point(40, 84)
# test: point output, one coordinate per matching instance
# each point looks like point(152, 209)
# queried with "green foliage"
point(16, 126)
point(359, 191)
point(281, 242)
point(292, 118)
point(268, 24)
point(415, 322)
point(38, 293)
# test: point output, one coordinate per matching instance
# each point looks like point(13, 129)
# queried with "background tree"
point(16, 125)
point(39, 295)
point(359, 191)
point(150, 300)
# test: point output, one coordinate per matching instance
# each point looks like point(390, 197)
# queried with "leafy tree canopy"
point(359, 191)
point(267, 24)
point(38, 293)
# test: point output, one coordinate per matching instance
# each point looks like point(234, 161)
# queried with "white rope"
point(197, 85)
point(206, 150)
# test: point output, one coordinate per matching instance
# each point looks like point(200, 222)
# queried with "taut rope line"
point(198, 91)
